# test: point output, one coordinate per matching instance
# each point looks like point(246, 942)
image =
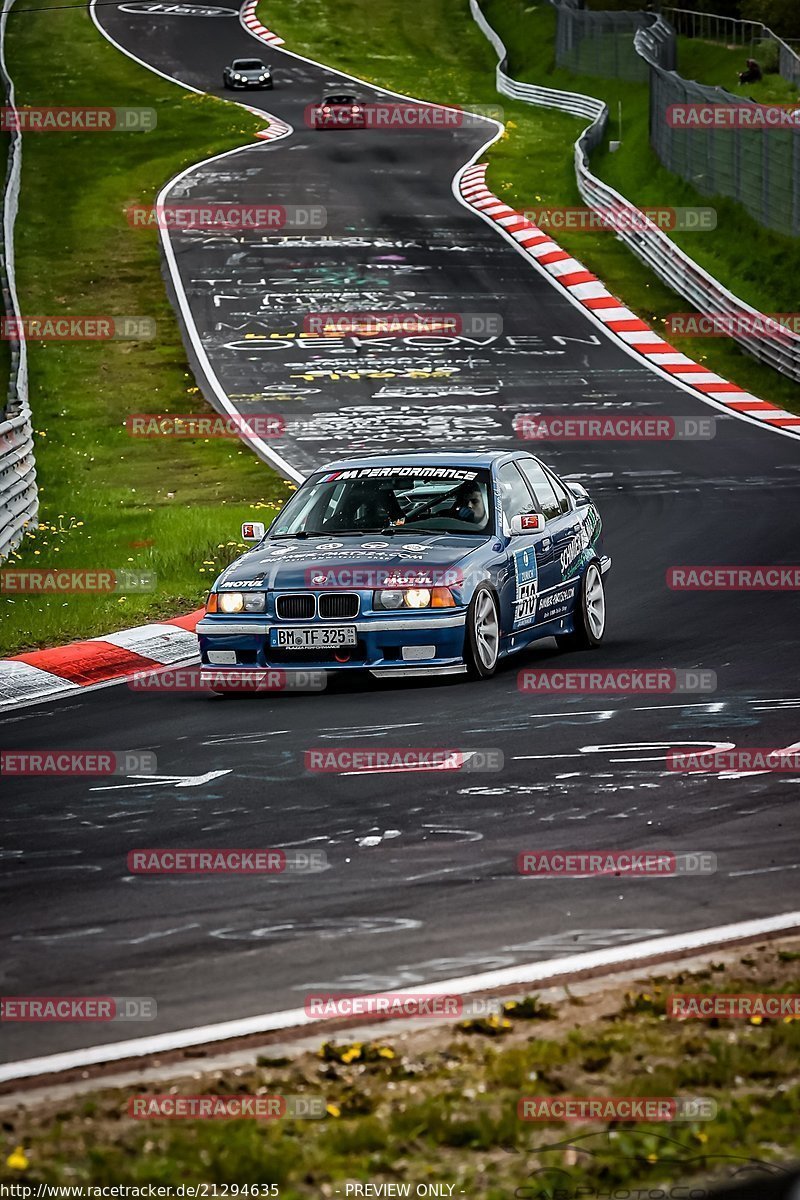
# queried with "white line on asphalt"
point(674, 945)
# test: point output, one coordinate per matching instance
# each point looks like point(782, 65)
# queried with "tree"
point(781, 16)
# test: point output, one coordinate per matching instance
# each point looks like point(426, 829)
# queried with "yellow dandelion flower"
point(333, 1110)
point(17, 1160)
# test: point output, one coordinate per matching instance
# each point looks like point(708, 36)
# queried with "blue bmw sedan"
point(412, 564)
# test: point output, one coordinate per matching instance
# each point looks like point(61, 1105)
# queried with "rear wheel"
point(590, 614)
point(482, 634)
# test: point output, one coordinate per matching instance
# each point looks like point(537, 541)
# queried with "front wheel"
point(482, 634)
point(590, 614)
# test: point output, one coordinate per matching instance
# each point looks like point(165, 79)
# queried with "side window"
point(542, 487)
point(564, 503)
point(514, 495)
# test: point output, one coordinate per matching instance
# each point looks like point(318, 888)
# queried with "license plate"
point(313, 638)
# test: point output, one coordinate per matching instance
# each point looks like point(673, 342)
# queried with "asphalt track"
point(422, 883)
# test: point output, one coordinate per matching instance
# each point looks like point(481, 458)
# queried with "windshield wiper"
point(301, 533)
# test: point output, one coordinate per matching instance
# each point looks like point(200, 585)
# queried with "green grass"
point(719, 65)
point(440, 1105)
point(437, 53)
point(109, 500)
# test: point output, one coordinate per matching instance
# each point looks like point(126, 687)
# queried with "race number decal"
point(526, 579)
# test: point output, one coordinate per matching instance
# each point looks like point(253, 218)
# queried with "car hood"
point(251, 73)
point(332, 562)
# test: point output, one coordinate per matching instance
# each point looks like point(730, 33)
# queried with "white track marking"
point(674, 945)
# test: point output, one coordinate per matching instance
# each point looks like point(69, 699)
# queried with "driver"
point(469, 506)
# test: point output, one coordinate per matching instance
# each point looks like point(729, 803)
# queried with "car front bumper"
point(406, 644)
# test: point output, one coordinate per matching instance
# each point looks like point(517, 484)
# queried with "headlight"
point(394, 598)
point(236, 602)
point(390, 599)
point(418, 597)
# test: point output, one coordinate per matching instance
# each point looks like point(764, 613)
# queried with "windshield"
point(340, 100)
point(248, 64)
point(358, 500)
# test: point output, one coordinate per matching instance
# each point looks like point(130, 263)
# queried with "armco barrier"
point(649, 243)
point(19, 500)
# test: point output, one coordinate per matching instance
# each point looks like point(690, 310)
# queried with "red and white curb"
point(247, 17)
point(251, 22)
point(276, 129)
point(64, 670)
point(592, 295)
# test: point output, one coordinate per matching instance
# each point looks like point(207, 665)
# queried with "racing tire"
point(590, 614)
point(482, 634)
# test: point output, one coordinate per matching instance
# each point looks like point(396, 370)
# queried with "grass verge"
point(440, 1104)
point(108, 500)
point(436, 52)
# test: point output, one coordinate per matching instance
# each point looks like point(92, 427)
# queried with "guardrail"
point(649, 243)
point(19, 498)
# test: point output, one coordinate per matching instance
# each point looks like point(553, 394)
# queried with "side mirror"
point(527, 523)
point(252, 531)
point(580, 493)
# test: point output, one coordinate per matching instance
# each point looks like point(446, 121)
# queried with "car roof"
point(470, 458)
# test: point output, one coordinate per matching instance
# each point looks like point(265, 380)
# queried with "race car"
point(247, 73)
point(339, 110)
point(412, 564)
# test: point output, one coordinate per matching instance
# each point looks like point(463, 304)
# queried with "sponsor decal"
point(555, 599)
point(581, 541)
point(456, 473)
point(526, 574)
